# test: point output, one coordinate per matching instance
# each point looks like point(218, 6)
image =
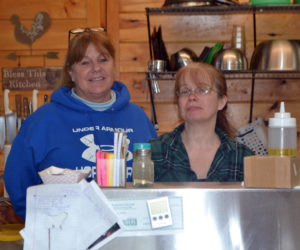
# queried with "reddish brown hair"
point(77, 48)
point(200, 72)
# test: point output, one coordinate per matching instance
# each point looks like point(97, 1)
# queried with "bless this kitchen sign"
point(29, 78)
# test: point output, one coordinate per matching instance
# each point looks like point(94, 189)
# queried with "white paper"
point(68, 217)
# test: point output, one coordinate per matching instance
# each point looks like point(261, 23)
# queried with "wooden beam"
point(103, 14)
point(93, 13)
point(113, 27)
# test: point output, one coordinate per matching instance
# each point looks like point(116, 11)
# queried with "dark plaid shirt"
point(172, 163)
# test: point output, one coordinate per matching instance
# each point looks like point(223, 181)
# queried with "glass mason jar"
point(142, 167)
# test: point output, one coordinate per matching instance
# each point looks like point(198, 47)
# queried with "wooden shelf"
point(236, 74)
point(221, 9)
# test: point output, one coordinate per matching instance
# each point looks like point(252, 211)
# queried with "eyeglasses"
point(86, 29)
point(199, 91)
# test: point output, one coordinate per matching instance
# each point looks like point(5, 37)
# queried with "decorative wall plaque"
point(29, 78)
point(40, 24)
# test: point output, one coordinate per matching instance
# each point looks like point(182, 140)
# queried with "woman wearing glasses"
point(82, 117)
point(200, 149)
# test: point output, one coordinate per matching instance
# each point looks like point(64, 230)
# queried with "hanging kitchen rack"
point(219, 10)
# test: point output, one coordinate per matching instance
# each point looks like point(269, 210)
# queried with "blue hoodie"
point(67, 133)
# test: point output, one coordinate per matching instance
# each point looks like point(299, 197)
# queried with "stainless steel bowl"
point(276, 55)
point(230, 59)
point(182, 58)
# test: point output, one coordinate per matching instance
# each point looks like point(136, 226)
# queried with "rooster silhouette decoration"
point(40, 24)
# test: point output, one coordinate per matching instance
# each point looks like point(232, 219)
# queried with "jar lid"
point(141, 145)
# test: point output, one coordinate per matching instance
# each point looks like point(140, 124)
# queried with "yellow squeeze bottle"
point(282, 134)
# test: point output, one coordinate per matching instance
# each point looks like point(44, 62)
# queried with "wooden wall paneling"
point(136, 85)
point(133, 27)
point(134, 57)
point(103, 14)
point(34, 58)
point(139, 91)
point(113, 26)
point(139, 5)
point(267, 90)
point(277, 26)
point(195, 28)
point(93, 17)
point(239, 116)
point(277, 90)
point(56, 37)
point(59, 9)
point(167, 117)
point(4, 61)
point(179, 28)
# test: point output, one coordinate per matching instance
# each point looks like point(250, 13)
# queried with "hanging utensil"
point(10, 119)
point(2, 131)
point(34, 100)
point(25, 107)
point(19, 111)
point(45, 99)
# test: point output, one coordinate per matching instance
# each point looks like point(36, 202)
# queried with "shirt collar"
point(96, 106)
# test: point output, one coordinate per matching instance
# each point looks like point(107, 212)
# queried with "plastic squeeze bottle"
point(282, 134)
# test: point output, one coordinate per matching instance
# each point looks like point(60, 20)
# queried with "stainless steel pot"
point(276, 55)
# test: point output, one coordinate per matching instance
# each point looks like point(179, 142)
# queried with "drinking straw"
point(109, 159)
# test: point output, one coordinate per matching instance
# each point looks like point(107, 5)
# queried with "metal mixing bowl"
point(182, 58)
point(276, 55)
point(230, 59)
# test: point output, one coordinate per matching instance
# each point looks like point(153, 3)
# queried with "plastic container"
point(142, 167)
point(269, 2)
point(238, 38)
point(282, 134)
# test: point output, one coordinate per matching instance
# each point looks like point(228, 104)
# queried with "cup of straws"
point(111, 166)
